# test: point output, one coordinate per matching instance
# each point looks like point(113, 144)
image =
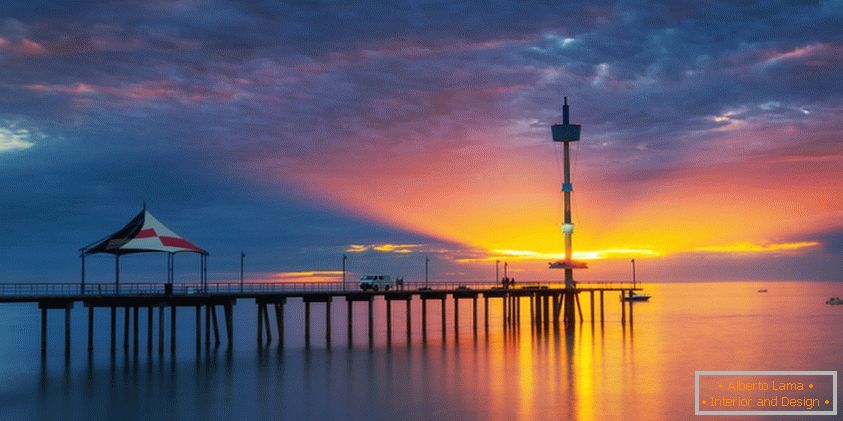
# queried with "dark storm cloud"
point(175, 102)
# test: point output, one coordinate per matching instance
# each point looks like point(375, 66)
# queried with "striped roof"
point(143, 234)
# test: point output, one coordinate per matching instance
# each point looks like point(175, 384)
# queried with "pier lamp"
point(344, 258)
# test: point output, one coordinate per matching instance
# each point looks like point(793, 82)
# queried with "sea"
point(594, 371)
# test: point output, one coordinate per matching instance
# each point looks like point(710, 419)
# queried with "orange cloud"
point(301, 276)
point(383, 248)
point(747, 247)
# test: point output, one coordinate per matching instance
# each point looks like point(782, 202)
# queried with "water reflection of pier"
point(546, 303)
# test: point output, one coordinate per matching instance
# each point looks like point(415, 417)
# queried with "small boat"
point(637, 297)
point(834, 301)
point(762, 290)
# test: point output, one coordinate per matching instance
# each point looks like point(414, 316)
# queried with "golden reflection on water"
point(610, 371)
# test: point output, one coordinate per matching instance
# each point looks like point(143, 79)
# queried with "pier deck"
point(545, 300)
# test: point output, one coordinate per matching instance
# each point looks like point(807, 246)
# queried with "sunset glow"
point(392, 143)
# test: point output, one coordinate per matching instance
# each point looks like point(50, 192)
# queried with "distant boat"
point(762, 290)
point(834, 301)
point(637, 297)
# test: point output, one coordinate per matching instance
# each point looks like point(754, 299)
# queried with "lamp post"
point(242, 265)
point(497, 275)
point(344, 258)
point(633, 273)
point(426, 261)
point(505, 266)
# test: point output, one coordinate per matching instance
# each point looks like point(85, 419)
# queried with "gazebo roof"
point(143, 234)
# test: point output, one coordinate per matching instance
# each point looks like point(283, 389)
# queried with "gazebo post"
point(82, 283)
point(116, 273)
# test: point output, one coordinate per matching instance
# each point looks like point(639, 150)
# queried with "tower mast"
point(567, 133)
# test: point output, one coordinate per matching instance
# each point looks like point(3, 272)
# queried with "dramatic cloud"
point(298, 130)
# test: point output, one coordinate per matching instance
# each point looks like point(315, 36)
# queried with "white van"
point(375, 282)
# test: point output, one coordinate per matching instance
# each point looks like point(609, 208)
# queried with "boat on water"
point(762, 290)
point(637, 297)
point(634, 296)
point(834, 301)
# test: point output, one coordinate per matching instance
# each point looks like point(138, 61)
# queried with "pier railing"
point(47, 289)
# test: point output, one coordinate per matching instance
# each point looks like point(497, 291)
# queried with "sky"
point(711, 149)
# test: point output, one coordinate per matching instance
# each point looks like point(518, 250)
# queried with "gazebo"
point(144, 234)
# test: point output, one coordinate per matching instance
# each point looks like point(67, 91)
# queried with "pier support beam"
point(207, 325)
point(279, 320)
point(371, 323)
point(43, 331)
point(442, 308)
point(216, 325)
point(149, 328)
point(198, 328)
point(456, 316)
point(229, 330)
point(126, 327)
point(474, 312)
point(486, 312)
point(388, 320)
point(113, 328)
point(424, 317)
point(623, 308)
point(601, 307)
point(173, 328)
point(537, 318)
point(260, 325)
point(307, 323)
point(90, 328)
point(409, 324)
point(328, 323)
point(135, 331)
point(67, 329)
point(349, 317)
point(160, 329)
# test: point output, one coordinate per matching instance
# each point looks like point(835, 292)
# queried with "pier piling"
point(409, 324)
point(371, 322)
point(307, 323)
point(173, 328)
point(474, 312)
point(198, 328)
point(90, 328)
point(349, 319)
point(442, 309)
point(135, 330)
point(456, 316)
point(229, 334)
point(126, 316)
point(216, 325)
point(424, 318)
point(113, 328)
point(388, 321)
point(149, 329)
point(160, 329)
point(67, 330)
point(328, 323)
point(43, 331)
point(207, 326)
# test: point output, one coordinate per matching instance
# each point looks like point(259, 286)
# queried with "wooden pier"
point(546, 302)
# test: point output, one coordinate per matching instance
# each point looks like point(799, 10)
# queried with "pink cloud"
point(23, 46)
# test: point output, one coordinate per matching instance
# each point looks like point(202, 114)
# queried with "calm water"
point(644, 373)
